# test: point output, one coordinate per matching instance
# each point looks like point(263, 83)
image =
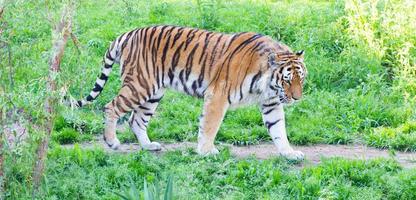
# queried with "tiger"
point(225, 70)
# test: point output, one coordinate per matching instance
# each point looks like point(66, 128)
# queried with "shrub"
point(66, 136)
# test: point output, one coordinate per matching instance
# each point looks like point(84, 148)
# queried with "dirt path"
point(313, 154)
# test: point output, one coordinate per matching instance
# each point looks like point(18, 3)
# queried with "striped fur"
point(224, 69)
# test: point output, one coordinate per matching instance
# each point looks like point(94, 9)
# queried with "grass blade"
point(169, 188)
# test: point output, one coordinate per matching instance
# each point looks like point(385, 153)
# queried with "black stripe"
point(183, 82)
point(274, 87)
point(133, 91)
point(121, 36)
point(144, 121)
point(165, 50)
point(107, 66)
point(205, 46)
point(144, 52)
point(270, 124)
point(97, 88)
point(259, 46)
point(194, 87)
point(168, 32)
point(270, 104)
point(176, 57)
point(190, 60)
point(144, 84)
point(148, 114)
point(253, 80)
point(144, 108)
point(103, 77)
point(214, 50)
point(281, 70)
point(127, 38)
point(190, 38)
point(154, 100)
point(160, 36)
point(171, 76)
point(243, 44)
point(139, 125)
point(268, 112)
point(126, 102)
point(89, 98)
point(232, 39)
point(108, 56)
point(202, 73)
point(133, 50)
point(177, 36)
point(155, 68)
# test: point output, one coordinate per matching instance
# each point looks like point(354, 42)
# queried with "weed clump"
point(66, 136)
point(400, 138)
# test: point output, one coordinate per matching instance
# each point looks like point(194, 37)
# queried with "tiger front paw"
point(153, 146)
point(292, 155)
point(207, 150)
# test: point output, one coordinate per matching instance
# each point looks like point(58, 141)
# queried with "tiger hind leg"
point(140, 119)
point(123, 103)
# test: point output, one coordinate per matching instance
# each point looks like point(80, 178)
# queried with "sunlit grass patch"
point(402, 137)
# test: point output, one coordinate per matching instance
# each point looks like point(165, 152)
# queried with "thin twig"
point(76, 43)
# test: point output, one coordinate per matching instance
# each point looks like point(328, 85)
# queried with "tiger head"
point(289, 72)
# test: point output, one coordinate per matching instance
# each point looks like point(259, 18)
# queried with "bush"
point(66, 136)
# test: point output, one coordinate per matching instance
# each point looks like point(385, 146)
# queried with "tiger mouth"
point(284, 99)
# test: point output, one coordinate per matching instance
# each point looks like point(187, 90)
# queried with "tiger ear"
point(300, 54)
point(272, 60)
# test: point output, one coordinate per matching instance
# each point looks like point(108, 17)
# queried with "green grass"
point(94, 174)
point(350, 90)
point(361, 89)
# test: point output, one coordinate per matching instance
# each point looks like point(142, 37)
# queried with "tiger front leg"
point(274, 119)
point(213, 113)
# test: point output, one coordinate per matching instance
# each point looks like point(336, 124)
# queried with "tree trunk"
point(2, 178)
point(60, 34)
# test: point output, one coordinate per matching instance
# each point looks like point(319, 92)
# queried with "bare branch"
point(1, 16)
point(76, 42)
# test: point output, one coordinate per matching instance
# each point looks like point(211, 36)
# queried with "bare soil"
point(313, 154)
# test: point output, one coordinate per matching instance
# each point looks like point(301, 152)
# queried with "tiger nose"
point(296, 96)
